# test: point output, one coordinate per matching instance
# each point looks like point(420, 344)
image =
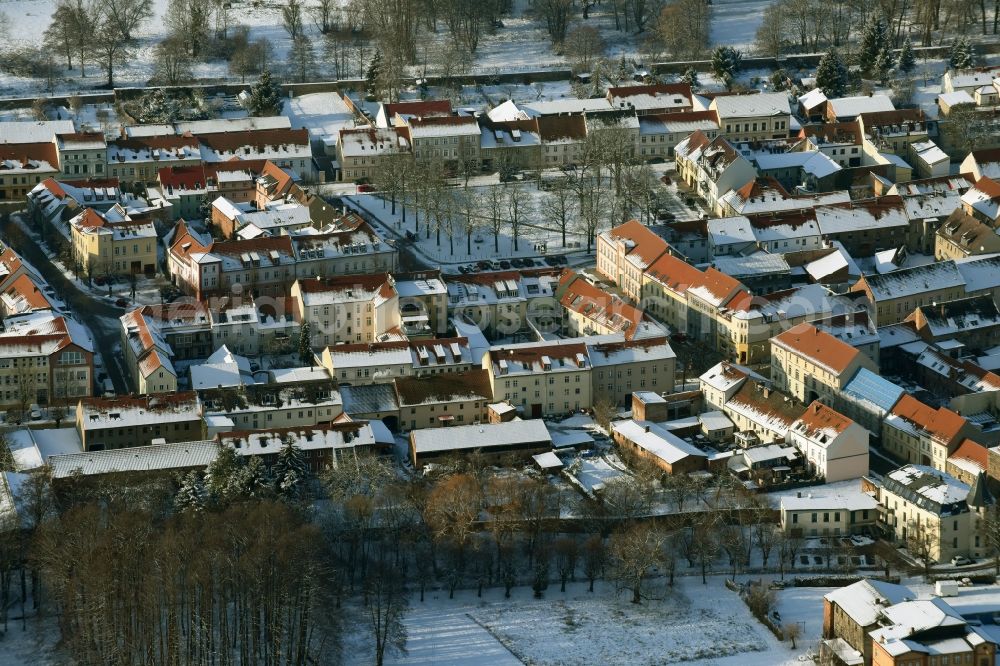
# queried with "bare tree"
point(582, 46)
point(635, 550)
point(683, 26)
point(556, 14)
point(302, 59)
point(173, 62)
point(567, 552)
point(559, 205)
point(594, 558)
point(189, 21)
point(792, 631)
point(770, 38)
point(291, 18)
point(385, 602)
point(126, 16)
point(922, 543)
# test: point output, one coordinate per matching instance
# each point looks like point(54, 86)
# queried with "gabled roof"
point(818, 347)
point(941, 424)
point(447, 387)
point(821, 423)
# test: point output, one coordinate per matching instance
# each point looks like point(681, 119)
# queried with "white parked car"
point(961, 561)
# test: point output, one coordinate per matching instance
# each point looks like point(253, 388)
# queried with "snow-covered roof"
point(195, 454)
point(571, 106)
point(34, 131)
point(656, 440)
point(813, 98)
point(725, 231)
point(815, 163)
point(832, 263)
point(336, 436)
point(484, 436)
point(843, 501)
point(851, 107)
point(756, 264)
point(930, 488)
point(980, 273)
point(955, 98)
point(725, 375)
point(929, 152)
point(908, 281)
point(753, 105)
point(864, 600)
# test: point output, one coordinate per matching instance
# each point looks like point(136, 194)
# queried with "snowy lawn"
point(691, 623)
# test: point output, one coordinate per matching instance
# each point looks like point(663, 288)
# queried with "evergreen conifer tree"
point(191, 495)
point(907, 58)
point(305, 344)
point(265, 96)
point(831, 75)
point(874, 40)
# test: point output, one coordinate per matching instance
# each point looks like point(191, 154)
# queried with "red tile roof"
point(942, 424)
point(817, 346)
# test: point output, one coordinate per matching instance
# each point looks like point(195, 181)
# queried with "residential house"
point(342, 309)
point(625, 252)
point(435, 401)
point(929, 507)
point(712, 167)
point(138, 159)
point(82, 154)
point(115, 423)
point(25, 165)
point(813, 365)
point(647, 100)
point(362, 151)
point(542, 378)
point(828, 514)
point(113, 243)
point(962, 235)
point(845, 109)
point(621, 367)
point(893, 296)
point(753, 117)
point(852, 612)
point(982, 201)
point(45, 359)
point(834, 447)
point(286, 148)
point(148, 356)
point(452, 141)
point(975, 322)
point(658, 445)
point(659, 133)
point(495, 441)
point(917, 433)
point(322, 446)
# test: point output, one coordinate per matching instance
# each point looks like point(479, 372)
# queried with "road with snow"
point(98, 316)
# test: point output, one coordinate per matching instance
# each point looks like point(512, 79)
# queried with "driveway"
point(99, 316)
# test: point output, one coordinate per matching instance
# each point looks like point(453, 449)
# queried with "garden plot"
point(689, 624)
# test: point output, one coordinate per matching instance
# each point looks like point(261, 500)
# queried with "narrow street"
point(98, 316)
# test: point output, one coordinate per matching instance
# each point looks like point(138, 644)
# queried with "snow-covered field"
point(692, 623)
point(522, 44)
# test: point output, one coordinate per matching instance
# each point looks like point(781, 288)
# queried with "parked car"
point(35, 412)
point(365, 187)
point(504, 264)
point(961, 561)
point(122, 302)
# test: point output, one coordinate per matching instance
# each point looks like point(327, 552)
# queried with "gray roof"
point(369, 399)
point(866, 386)
point(485, 436)
point(156, 457)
